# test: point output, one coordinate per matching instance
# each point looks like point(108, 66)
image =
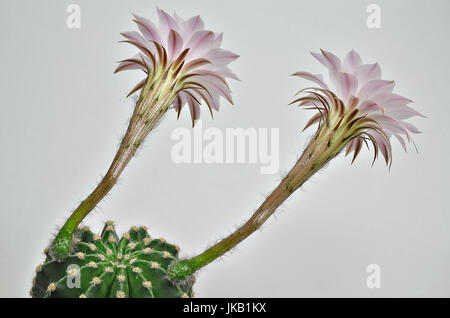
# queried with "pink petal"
point(411, 127)
point(177, 18)
point(332, 61)
point(316, 78)
point(320, 58)
point(401, 141)
point(210, 75)
point(351, 61)
point(228, 73)
point(375, 87)
point(369, 106)
point(147, 28)
point(402, 112)
point(220, 89)
point(218, 40)
point(333, 64)
point(166, 22)
point(200, 41)
point(212, 79)
point(213, 101)
point(220, 56)
point(136, 37)
point(390, 124)
point(382, 143)
point(348, 84)
point(175, 44)
point(390, 100)
point(191, 26)
point(126, 66)
point(367, 72)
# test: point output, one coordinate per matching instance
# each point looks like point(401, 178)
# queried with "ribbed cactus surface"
point(103, 266)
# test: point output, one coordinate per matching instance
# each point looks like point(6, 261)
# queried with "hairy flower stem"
point(328, 141)
point(153, 102)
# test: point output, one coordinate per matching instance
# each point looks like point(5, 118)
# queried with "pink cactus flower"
point(184, 50)
point(356, 90)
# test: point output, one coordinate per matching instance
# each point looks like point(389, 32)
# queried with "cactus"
point(101, 266)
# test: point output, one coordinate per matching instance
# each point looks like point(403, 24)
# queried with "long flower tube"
point(184, 64)
point(356, 108)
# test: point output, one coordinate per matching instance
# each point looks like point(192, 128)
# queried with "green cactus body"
point(104, 266)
